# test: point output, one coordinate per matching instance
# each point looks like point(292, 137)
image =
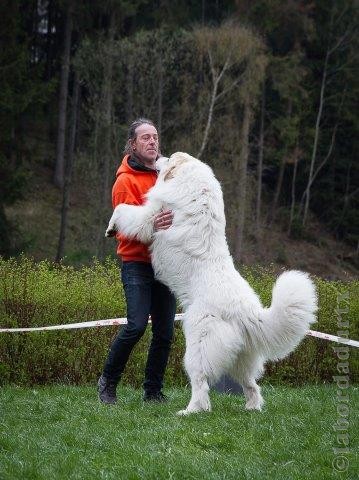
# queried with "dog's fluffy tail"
point(282, 326)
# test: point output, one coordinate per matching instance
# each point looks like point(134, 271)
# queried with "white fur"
point(225, 325)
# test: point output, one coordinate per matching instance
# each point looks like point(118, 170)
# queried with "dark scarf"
point(136, 164)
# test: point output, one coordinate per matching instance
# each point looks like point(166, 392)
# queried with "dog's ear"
point(171, 172)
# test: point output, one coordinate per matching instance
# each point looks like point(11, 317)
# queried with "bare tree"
point(282, 166)
point(314, 173)
point(316, 135)
point(229, 50)
point(68, 169)
point(241, 171)
point(107, 147)
point(260, 161)
point(64, 81)
point(287, 74)
point(216, 78)
point(295, 157)
point(335, 44)
point(129, 88)
point(237, 64)
point(160, 94)
point(348, 196)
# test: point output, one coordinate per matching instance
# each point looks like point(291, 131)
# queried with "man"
point(144, 295)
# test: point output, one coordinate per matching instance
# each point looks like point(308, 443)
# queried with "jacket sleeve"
point(124, 191)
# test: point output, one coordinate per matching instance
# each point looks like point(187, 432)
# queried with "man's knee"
point(134, 332)
point(163, 338)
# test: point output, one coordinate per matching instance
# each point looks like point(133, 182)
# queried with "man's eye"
point(146, 138)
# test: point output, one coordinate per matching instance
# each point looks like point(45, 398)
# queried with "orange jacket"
point(130, 187)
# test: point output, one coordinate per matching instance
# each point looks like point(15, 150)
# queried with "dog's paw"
point(183, 413)
point(254, 404)
point(194, 409)
point(110, 232)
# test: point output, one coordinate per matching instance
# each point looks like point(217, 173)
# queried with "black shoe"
point(153, 396)
point(106, 390)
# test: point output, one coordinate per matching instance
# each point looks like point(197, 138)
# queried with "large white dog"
point(227, 330)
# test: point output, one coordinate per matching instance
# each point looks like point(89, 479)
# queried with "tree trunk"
point(64, 80)
point(69, 169)
point(292, 206)
point(315, 173)
point(260, 164)
point(216, 80)
point(49, 42)
point(5, 233)
point(241, 170)
point(278, 188)
point(316, 136)
point(107, 96)
point(160, 96)
point(347, 197)
point(210, 116)
point(129, 85)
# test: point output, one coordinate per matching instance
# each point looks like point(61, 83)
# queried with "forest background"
point(264, 91)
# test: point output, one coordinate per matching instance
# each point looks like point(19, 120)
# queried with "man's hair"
point(131, 135)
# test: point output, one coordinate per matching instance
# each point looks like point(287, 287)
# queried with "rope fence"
point(122, 321)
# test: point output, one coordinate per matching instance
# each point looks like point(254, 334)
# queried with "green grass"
point(62, 432)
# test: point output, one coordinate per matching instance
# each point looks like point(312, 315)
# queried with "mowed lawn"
point(63, 432)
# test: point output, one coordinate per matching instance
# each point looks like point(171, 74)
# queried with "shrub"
point(36, 294)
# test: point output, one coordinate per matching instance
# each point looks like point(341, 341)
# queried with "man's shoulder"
point(124, 177)
point(138, 183)
point(135, 178)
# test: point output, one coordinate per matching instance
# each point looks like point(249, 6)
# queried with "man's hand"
point(163, 220)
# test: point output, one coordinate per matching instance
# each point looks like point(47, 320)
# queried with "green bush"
point(36, 294)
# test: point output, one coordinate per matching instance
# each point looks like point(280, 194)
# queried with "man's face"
point(145, 145)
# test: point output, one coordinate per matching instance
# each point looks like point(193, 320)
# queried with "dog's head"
point(169, 167)
point(190, 185)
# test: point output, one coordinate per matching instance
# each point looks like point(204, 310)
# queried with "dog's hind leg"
point(246, 370)
point(193, 362)
point(211, 348)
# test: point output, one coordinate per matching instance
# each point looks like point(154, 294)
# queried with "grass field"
point(62, 432)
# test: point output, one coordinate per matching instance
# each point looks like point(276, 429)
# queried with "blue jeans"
point(144, 296)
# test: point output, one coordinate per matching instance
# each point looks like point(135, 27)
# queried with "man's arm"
point(134, 220)
point(121, 193)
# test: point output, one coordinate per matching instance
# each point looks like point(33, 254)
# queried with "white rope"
point(333, 338)
point(122, 321)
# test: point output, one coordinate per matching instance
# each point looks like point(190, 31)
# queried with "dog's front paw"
point(111, 231)
point(195, 409)
point(255, 404)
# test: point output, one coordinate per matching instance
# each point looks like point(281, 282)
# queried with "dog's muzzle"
point(160, 163)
